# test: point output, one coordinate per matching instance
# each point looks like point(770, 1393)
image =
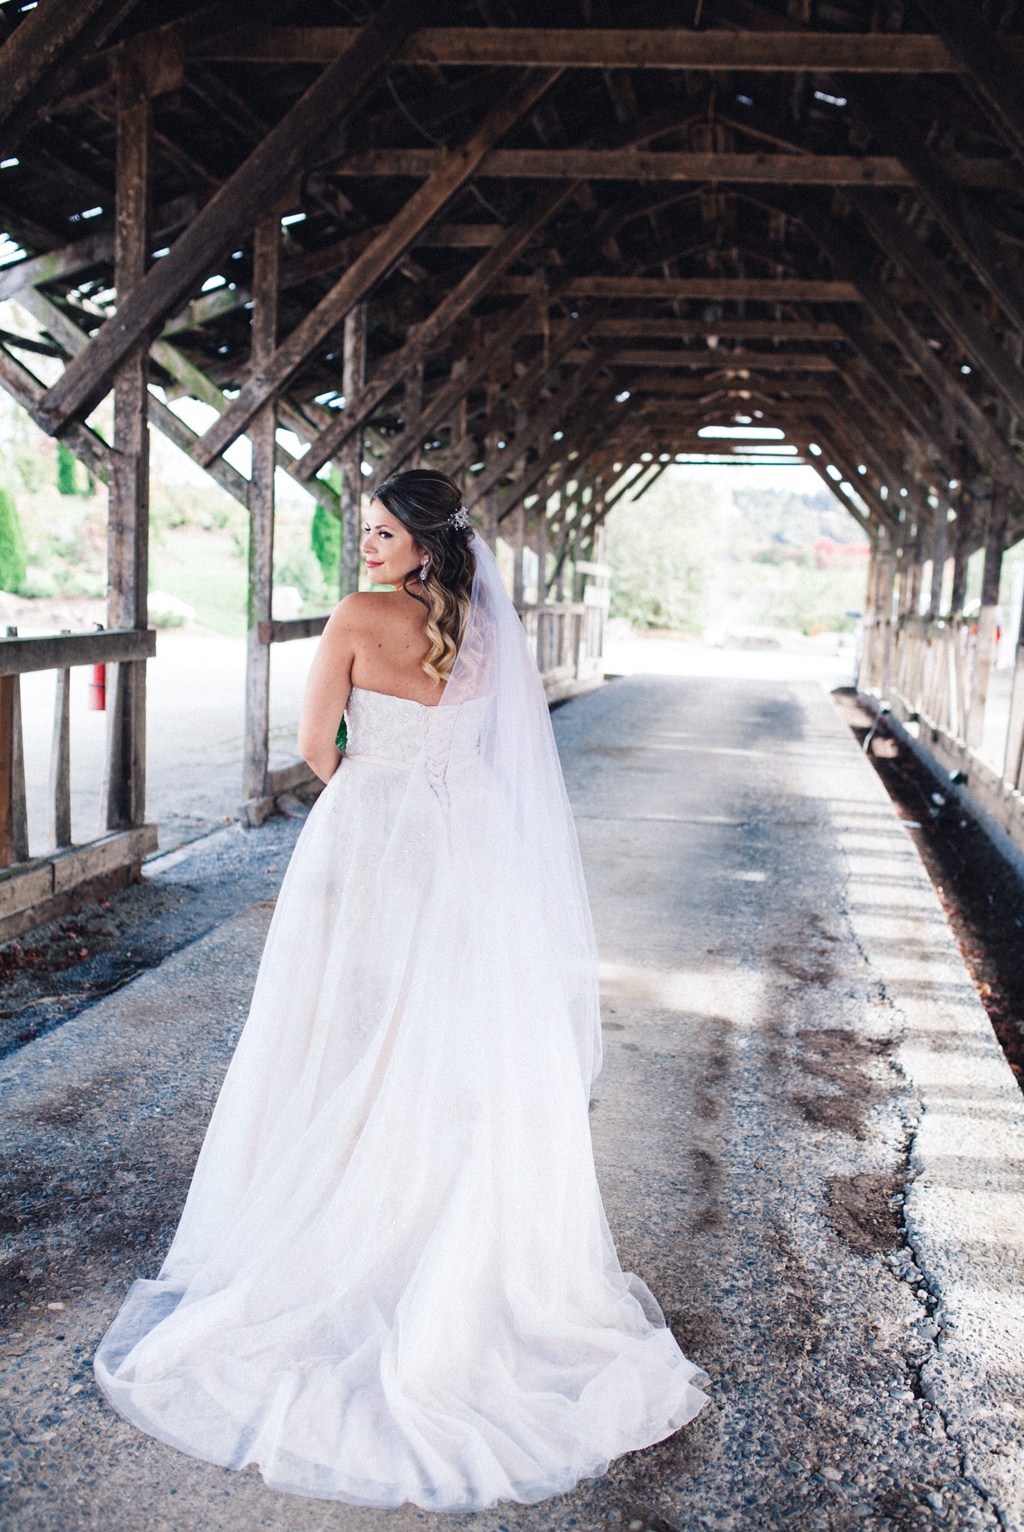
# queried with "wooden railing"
point(567, 637)
point(37, 888)
point(935, 676)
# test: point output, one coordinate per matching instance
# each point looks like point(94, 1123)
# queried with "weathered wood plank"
point(641, 327)
point(664, 289)
point(978, 429)
point(284, 632)
point(259, 182)
point(350, 460)
point(637, 165)
point(453, 172)
point(28, 391)
point(124, 785)
point(263, 429)
point(124, 848)
point(418, 346)
point(59, 815)
point(726, 361)
point(605, 48)
point(41, 54)
point(942, 292)
point(19, 656)
point(991, 61)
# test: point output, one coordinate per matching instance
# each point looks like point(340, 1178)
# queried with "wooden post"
point(59, 826)
point(13, 817)
point(985, 650)
point(961, 553)
point(1013, 769)
point(263, 435)
point(412, 407)
point(519, 546)
point(124, 786)
point(350, 459)
point(938, 564)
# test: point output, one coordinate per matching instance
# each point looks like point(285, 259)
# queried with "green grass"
point(204, 569)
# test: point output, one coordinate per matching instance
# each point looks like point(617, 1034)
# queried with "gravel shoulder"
point(809, 1142)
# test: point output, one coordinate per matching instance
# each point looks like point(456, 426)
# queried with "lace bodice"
point(387, 728)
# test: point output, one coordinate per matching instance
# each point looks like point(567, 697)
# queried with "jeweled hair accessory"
point(458, 520)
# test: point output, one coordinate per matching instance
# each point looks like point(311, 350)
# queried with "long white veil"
point(510, 883)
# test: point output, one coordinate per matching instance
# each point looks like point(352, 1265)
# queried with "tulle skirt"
point(393, 1279)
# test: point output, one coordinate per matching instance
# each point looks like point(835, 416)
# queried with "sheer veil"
point(506, 845)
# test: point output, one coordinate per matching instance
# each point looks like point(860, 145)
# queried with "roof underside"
point(802, 216)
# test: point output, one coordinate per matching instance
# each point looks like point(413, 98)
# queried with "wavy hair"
point(424, 501)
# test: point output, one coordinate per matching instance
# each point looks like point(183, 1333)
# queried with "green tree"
point(662, 553)
point(12, 544)
point(325, 540)
point(66, 475)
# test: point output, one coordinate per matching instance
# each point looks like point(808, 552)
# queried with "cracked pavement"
point(810, 1146)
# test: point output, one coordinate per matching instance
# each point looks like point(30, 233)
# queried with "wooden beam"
point(970, 234)
point(124, 783)
point(263, 435)
point(639, 165)
point(376, 260)
point(944, 295)
point(42, 53)
point(23, 386)
point(991, 61)
point(642, 327)
point(670, 289)
point(737, 362)
point(96, 249)
point(396, 367)
point(259, 182)
point(978, 429)
point(351, 458)
point(521, 391)
point(603, 48)
point(542, 424)
point(19, 656)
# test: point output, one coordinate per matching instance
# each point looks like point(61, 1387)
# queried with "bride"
point(393, 1279)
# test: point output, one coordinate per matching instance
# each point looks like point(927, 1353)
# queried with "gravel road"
point(810, 1147)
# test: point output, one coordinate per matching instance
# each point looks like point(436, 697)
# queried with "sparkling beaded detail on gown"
point(393, 1279)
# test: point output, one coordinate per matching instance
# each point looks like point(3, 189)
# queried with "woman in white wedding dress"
point(393, 1279)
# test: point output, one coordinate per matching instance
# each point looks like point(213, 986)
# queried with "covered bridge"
point(550, 248)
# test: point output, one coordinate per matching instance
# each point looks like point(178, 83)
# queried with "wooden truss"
point(544, 258)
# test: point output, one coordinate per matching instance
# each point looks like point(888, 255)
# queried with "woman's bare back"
point(389, 633)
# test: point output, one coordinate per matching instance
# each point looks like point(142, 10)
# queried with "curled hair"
point(424, 501)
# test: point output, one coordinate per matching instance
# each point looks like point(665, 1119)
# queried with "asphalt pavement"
point(810, 1147)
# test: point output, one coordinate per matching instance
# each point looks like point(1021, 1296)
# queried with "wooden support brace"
point(351, 458)
point(59, 822)
point(985, 653)
point(124, 785)
point(271, 168)
point(263, 435)
point(375, 261)
point(426, 335)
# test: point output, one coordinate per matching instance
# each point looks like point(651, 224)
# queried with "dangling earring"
point(424, 566)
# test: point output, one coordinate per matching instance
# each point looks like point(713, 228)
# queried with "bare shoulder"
point(358, 614)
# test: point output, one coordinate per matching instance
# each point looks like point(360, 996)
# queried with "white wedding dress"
point(393, 1279)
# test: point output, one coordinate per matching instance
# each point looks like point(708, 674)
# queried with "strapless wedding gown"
point(393, 1280)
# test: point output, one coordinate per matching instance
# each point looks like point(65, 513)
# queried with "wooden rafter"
point(377, 259)
point(601, 48)
point(269, 171)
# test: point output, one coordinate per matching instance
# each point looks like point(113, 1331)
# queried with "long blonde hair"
point(425, 500)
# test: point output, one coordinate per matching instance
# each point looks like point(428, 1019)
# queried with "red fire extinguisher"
point(98, 689)
point(98, 685)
